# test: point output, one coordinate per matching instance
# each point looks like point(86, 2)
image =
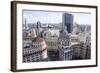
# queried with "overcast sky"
point(54, 17)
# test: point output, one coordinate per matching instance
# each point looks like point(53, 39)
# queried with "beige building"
point(36, 51)
point(51, 38)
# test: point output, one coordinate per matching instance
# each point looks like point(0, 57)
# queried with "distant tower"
point(38, 29)
point(68, 22)
point(25, 25)
point(38, 24)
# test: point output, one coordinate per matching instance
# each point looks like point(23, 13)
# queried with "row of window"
point(32, 52)
point(33, 58)
point(74, 40)
point(68, 56)
point(52, 43)
point(36, 46)
point(65, 43)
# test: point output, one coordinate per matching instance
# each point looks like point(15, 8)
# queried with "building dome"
point(46, 33)
point(38, 39)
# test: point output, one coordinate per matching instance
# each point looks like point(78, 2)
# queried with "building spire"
point(25, 24)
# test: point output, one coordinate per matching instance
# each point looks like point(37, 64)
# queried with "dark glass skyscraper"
point(68, 22)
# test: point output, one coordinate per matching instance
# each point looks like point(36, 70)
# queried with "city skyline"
point(55, 42)
point(54, 17)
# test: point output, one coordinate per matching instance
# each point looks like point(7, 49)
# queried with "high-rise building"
point(68, 22)
point(38, 24)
